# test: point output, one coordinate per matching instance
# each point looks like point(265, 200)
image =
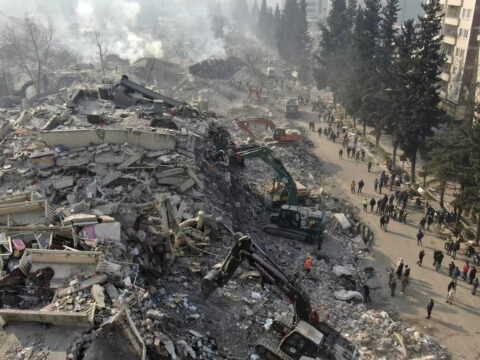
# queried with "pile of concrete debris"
point(109, 220)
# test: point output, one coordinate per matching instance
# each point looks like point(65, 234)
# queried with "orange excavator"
point(280, 135)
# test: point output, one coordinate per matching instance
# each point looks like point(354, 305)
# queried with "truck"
point(291, 107)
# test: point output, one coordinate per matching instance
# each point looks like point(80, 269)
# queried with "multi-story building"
point(460, 29)
point(317, 9)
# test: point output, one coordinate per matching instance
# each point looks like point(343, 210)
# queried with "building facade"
point(317, 9)
point(460, 30)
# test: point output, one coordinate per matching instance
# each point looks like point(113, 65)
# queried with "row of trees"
point(384, 77)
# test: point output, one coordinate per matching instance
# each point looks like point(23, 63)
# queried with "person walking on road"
point(375, 184)
point(466, 267)
point(352, 186)
point(406, 273)
point(456, 274)
point(369, 166)
point(360, 186)
point(473, 273)
point(382, 222)
point(399, 268)
point(474, 286)
point(450, 285)
point(422, 223)
point(439, 260)
point(419, 237)
point(451, 294)
point(404, 217)
point(387, 220)
point(456, 247)
point(429, 221)
point(430, 308)
point(451, 267)
point(421, 255)
point(348, 150)
point(340, 153)
point(372, 204)
point(365, 205)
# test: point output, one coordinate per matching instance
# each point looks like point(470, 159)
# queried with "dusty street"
point(455, 326)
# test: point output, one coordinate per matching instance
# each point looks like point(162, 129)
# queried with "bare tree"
point(102, 50)
point(29, 45)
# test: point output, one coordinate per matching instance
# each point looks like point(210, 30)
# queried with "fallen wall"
point(90, 137)
point(45, 317)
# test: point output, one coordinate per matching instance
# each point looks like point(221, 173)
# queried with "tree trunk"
point(364, 127)
point(477, 235)
point(394, 154)
point(457, 219)
point(412, 168)
point(354, 122)
point(424, 178)
point(442, 193)
point(378, 135)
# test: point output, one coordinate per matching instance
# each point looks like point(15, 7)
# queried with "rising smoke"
point(132, 29)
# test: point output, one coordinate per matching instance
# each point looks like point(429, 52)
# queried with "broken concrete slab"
point(98, 295)
point(64, 183)
point(170, 172)
point(73, 162)
point(84, 319)
point(109, 158)
point(111, 177)
point(130, 161)
point(99, 279)
point(86, 137)
point(186, 185)
point(154, 154)
point(172, 180)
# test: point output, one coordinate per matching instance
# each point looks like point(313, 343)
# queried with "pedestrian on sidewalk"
point(375, 184)
point(473, 273)
point(399, 268)
point(340, 153)
point(387, 220)
point(404, 284)
point(456, 274)
point(360, 186)
point(422, 223)
point(474, 286)
point(429, 221)
point(419, 237)
point(372, 204)
point(365, 205)
point(369, 166)
point(451, 267)
point(439, 260)
point(451, 294)
point(430, 308)
point(348, 150)
point(393, 285)
point(421, 255)
point(466, 267)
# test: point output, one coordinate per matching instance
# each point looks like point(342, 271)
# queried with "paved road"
point(456, 326)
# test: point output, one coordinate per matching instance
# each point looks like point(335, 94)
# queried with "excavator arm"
point(245, 124)
point(265, 153)
point(246, 249)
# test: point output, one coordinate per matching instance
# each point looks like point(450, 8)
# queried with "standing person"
point(422, 223)
point(441, 216)
point(387, 220)
point(357, 156)
point(456, 274)
point(435, 253)
point(430, 308)
point(382, 222)
point(393, 285)
point(372, 204)
point(365, 205)
point(360, 186)
point(429, 221)
point(340, 153)
point(319, 131)
point(451, 267)
point(399, 268)
point(404, 284)
point(472, 274)
point(369, 166)
point(308, 264)
point(419, 237)
point(439, 260)
point(348, 150)
point(450, 285)
point(451, 294)
point(474, 286)
point(466, 267)
point(421, 255)
point(456, 247)
point(375, 184)
point(352, 187)
point(406, 273)
point(405, 213)
point(366, 291)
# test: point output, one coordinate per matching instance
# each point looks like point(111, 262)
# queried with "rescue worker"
point(308, 264)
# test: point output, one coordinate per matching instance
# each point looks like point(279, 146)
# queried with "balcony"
point(450, 20)
point(454, 2)
point(449, 39)
point(449, 59)
point(444, 76)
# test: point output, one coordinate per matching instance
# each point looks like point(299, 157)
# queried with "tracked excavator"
point(291, 221)
point(301, 339)
point(280, 135)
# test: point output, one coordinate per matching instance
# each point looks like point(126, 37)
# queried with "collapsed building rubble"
point(109, 222)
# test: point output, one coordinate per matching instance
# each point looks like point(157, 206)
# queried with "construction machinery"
point(300, 337)
point(291, 107)
point(280, 135)
point(292, 221)
point(253, 90)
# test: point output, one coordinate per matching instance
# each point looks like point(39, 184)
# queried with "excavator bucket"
point(211, 282)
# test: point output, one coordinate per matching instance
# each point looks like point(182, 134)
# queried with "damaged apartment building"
point(114, 206)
